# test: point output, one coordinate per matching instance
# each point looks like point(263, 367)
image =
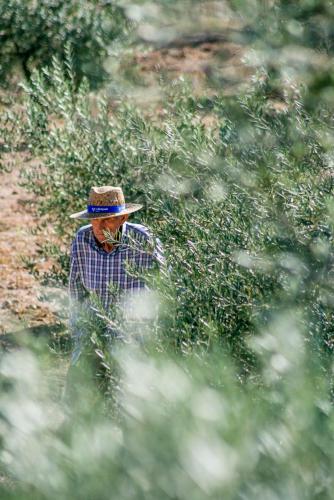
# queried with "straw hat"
point(106, 201)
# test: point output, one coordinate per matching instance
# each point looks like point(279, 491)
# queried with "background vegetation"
point(32, 32)
point(228, 392)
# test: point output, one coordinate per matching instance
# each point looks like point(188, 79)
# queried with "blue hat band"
point(96, 209)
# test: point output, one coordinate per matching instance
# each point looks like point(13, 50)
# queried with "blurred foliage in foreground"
point(183, 428)
point(292, 40)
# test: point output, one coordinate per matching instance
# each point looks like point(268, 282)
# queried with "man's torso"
point(99, 270)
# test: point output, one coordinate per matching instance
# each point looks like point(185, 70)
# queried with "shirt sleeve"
point(77, 294)
point(77, 291)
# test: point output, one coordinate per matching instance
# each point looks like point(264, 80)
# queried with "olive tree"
point(31, 31)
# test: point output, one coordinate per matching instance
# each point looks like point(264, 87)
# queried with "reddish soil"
point(20, 292)
point(221, 62)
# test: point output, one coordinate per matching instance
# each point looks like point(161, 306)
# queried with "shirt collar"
point(121, 238)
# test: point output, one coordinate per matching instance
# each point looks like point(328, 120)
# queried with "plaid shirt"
point(94, 270)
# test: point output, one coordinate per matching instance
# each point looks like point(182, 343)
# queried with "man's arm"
point(77, 295)
point(77, 292)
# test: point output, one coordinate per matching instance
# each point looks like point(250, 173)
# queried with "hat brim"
point(129, 208)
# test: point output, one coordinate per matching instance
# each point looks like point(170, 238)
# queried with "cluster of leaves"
point(31, 31)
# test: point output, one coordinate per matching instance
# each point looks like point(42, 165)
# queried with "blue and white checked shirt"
point(94, 270)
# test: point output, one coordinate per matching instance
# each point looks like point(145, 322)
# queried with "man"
point(102, 251)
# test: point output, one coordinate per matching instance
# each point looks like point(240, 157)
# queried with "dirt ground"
point(21, 304)
point(221, 62)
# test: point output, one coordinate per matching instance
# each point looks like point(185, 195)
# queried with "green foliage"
point(243, 207)
point(220, 383)
point(31, 32)
point(183, 429)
